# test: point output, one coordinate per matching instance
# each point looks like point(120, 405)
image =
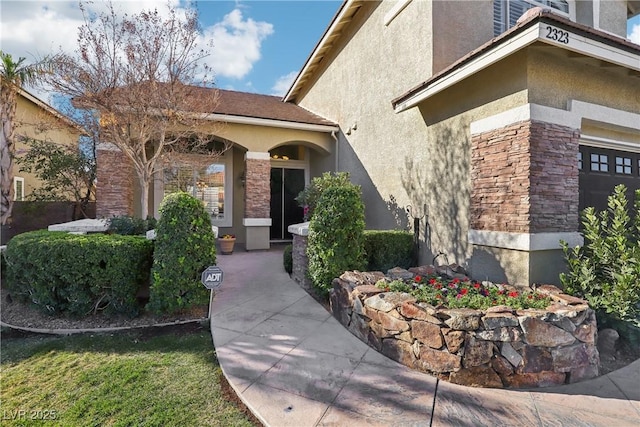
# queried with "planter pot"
point(226, 246)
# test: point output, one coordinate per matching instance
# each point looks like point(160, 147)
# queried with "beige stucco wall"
point(552, 78)
point(32, 121)
point(422, 156)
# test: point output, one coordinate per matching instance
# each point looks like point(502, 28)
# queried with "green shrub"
point(606, 270)
point(185, 246)
point(386, 249)
point(336, 242)
point(287, 259)
point(131, 226)
point(78, 274)
point(308, 198)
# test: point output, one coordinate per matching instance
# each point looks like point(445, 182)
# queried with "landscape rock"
point(477, 376)
point(540, 333)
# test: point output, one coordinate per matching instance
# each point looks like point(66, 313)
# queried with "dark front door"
point(286, 184)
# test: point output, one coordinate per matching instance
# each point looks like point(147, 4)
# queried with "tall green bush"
point(308, 198)
point(78, 274)
point(185, 246)
point(386, 249)
point(336, 242)
point(606, 270)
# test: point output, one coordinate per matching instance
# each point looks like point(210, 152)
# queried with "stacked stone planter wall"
point(498, 347)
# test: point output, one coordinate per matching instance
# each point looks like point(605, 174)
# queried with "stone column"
point(524, 200)
point(114, 183)
point(257, 215)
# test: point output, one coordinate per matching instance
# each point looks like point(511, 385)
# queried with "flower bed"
point(494, 346)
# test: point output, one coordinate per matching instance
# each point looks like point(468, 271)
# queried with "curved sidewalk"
point(293, 364)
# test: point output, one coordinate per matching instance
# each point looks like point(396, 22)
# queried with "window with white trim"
point(507, 12)
point(211, 183)
point(18, 189)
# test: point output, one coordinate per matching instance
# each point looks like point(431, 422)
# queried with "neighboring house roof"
point(478, 59)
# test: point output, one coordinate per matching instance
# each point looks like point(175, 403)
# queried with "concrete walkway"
point(293, 364)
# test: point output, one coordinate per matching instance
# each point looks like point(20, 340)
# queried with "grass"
point(126, 379)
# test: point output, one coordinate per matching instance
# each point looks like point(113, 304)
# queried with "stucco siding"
point(554, 80)
point(32, 121)
point(355, 86)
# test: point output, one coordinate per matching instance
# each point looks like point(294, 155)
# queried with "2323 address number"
point(557, 35)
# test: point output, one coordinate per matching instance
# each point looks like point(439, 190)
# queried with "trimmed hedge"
point(387, 249)
point(78, 274)
point(336, 242)
point(185, 246)
point(130, 225)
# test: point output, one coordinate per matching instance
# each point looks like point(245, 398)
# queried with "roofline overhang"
point(49, 109)
point(257, 121)
point(342, 16)
point(539, 29)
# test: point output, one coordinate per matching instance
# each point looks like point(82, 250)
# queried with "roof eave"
point(259, 121)
point(519, 37)
point(342, 16)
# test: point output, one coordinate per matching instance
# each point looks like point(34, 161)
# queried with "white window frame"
point(571, 12)
point(227, 160)
point(17, 179)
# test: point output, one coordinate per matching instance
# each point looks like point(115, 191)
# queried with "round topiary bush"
point(185, 246)
point(336, 235)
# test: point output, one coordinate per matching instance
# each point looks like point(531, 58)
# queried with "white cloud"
point(236, 44)
point(634, 35)
point(283, 84)
point(34, 29)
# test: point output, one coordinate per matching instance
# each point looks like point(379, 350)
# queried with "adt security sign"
point(212, 277)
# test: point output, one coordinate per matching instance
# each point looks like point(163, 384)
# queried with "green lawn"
point(125, 379)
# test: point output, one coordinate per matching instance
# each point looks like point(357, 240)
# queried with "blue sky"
point(258, 46)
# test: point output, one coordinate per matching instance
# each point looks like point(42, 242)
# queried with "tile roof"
point(254, 105)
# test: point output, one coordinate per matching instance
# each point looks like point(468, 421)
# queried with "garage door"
point(601, 170)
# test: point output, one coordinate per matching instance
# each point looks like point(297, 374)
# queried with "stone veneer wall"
point(499, 347)
point(257, 188)
point(300, 261)
point(114, 187)
point(525, 178)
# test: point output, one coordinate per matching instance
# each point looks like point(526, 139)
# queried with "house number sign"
point(212, 277)
point(557, 35)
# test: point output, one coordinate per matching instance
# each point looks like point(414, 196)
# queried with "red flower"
point(513, 294)
point(417, 279)
point(438, 286)
point(476, 285)
point(456, 280)
point(530, 296)
point(432, 281)
point(463, 291)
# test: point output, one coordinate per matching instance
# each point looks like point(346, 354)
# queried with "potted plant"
point(227, 241)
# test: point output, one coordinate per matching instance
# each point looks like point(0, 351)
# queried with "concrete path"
point(293, 364)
